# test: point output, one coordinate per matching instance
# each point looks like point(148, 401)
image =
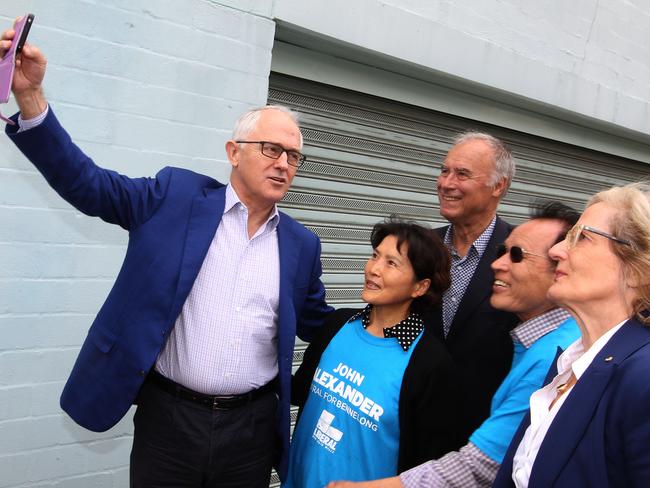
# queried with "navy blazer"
point(478, 341)
point(600, 435)
point(171, 220)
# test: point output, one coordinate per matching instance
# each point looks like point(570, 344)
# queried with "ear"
point(420, 288)
point(500, 188)
point(233, 152)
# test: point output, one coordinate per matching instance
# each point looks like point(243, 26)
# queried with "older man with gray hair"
point(474, 177)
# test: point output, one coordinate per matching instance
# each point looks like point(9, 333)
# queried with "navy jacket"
point(479, 341)
point(171, 220)
point(600, 435)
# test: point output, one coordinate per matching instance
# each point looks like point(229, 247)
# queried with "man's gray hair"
point(504, 164)
point(248, 120)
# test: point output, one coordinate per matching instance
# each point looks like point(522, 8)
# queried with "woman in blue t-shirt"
point(376, 388)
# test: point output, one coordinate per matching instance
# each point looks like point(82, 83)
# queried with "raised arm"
point(93, 190)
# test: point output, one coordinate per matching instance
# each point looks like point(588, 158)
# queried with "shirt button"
point(238, 309)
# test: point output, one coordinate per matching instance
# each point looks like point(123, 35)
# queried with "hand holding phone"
point(29, 73)
point(21, 30)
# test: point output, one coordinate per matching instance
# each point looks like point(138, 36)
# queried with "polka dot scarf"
point(405, 331)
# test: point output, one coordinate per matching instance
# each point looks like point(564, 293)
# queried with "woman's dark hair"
point(428, 256)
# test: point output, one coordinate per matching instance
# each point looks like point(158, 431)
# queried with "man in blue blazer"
point(200, 325)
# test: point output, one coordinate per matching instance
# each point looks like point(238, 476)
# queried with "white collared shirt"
point(225, 338)
point(575, 359)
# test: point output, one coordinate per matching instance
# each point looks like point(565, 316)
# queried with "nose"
point(373, 267)
point(558, 251)
point(501, 263)
point(447, 180)
point(282, 162)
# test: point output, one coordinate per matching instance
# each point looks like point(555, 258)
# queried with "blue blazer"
point(601, 434)
point(171, 220)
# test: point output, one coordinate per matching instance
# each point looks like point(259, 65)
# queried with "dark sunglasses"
point(516, 253)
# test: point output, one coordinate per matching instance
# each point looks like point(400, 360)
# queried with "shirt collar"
point(481, 242)
point(232, 200)
point(531, 330)
point(405, 331)
point(575, 356)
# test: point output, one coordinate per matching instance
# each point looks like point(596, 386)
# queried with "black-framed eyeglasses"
point(516, 253)
point(573, 236)
point(274, 151)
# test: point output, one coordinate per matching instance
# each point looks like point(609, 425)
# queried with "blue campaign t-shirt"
point(349, 426)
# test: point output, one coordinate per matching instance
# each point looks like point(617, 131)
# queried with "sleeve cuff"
point(26, 124)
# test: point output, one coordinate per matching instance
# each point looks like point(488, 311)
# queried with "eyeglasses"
point(516, 253)
point(574, 235)
point(274, 151)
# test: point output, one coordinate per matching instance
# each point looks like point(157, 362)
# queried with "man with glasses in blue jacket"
point(200, 324)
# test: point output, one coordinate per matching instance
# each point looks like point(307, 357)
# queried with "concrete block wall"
point(139, 84)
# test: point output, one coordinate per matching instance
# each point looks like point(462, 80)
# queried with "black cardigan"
point(428, 397)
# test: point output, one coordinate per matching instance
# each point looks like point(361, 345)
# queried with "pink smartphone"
point(8, 61)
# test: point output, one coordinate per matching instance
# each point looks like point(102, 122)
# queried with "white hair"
point(248, 120)
point(504, 164)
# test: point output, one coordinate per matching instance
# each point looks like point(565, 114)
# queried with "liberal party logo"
point(326, 435)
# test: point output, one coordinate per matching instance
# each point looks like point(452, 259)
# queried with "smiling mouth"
point(371, 285)
point(501, 284)
point(448, 198)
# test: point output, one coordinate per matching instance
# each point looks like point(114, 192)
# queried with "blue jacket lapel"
point(205, 216)
point(289, 245)
point(480, 286)
point(575, 415)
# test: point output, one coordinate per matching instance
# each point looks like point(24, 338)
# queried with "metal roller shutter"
point(370, 157)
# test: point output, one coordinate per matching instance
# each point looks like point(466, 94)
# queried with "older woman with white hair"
point(590, 426)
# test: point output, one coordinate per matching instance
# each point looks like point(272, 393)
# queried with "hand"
point(28, 76)
point(393, 482)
